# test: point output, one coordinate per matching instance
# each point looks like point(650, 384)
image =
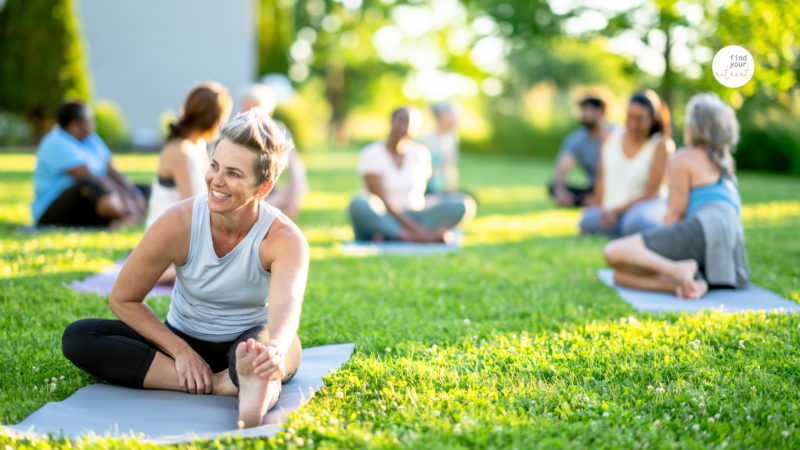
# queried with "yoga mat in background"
point(103, 281)
point(369, 248)
point(754, 298)
point(167, 417)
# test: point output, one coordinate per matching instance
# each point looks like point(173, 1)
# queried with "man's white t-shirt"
point(405, 185)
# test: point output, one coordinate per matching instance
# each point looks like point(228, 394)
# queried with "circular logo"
point(733, 66)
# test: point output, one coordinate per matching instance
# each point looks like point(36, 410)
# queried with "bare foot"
point(223, 385)
point(448, 237)
point(256, 395)
point(683, 275)
point(697, 290)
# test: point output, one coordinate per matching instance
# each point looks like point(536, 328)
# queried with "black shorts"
point(77, 206)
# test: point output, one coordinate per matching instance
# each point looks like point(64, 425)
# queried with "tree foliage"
point(42, 59)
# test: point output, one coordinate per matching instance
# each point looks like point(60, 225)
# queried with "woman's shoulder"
point(178, 147)
point(284, 236)
point(663, 142)
point(687, 157)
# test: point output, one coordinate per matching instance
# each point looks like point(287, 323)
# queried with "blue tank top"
point(723, 191)
point(217, 299)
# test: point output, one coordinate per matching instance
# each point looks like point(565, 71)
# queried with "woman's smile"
point(219, 195)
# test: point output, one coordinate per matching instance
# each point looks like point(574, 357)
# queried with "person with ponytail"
point(630, 185)
point(701, 245)
point(183, 162)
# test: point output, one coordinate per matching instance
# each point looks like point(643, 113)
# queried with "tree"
point(276, 33)
point(42, 59)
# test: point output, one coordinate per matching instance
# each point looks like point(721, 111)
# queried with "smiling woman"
point(233, 253)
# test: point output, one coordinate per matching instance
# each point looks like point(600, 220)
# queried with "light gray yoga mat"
point(102, 282)
point(167, 417)
point(369, 248)
point(754, 298)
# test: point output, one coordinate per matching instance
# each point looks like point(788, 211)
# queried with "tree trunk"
point(335, 90)
point(668, 80)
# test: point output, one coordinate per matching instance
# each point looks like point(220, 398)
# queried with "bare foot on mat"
point(223, 385)
point(698, 289)
point(683, 275)
point(256, 395)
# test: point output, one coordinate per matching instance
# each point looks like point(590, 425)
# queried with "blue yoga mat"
point(754, 298)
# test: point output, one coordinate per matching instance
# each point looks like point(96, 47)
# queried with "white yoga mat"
point(102, 282)
point(754, 298)
point(167, 417)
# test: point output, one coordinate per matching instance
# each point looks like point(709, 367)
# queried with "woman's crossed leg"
point(113, 351)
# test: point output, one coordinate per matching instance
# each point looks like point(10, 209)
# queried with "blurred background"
point(516, 68)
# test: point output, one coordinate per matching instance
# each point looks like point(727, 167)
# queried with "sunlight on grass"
point(513, 228)
point(320, 201)
point(51, 253)
point(770, 214)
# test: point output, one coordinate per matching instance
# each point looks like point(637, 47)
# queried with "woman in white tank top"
point(242, 269)
point(630, 194)
point(183, 162)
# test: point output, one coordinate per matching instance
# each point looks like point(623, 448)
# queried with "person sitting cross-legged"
point(631, 172)
point(582, 146)
point(75, 182)
point(241, 273)
point(702, 241)
point(392, 203)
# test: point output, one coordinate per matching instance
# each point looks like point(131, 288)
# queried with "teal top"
point(723, 191)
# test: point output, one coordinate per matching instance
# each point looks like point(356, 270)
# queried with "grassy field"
point(511, 343)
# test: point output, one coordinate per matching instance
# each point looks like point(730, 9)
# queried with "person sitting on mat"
point(391, 205)
point(443, 145)
point(582, 146)
point(630, 174)
point(183, 162)
point(75, 182)
point(230, 329)
point(287, 198)
point(703, 233)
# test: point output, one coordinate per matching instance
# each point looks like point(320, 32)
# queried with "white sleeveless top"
point(625, 179)
point(217, 299)
point(163, 198)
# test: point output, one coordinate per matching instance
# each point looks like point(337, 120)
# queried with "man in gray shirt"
point(581, 146)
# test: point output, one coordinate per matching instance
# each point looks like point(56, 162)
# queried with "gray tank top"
point(217, 299)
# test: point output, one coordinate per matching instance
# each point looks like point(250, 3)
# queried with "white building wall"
point(147, 54)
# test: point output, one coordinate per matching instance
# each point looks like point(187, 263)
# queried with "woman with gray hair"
point(241, 272)
point(702, 242)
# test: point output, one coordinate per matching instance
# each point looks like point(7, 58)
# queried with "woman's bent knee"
point(75, 337)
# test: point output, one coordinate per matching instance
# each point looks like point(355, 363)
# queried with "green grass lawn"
point(510, 343)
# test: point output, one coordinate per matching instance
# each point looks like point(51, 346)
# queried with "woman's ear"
point(264, 190)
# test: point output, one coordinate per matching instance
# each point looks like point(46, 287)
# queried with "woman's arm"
point(165, 242)
point(599, 180)
point(680, 183)
point(284, 253)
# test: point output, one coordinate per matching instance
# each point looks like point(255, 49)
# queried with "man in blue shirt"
point(582, 146)
point(74, 181)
